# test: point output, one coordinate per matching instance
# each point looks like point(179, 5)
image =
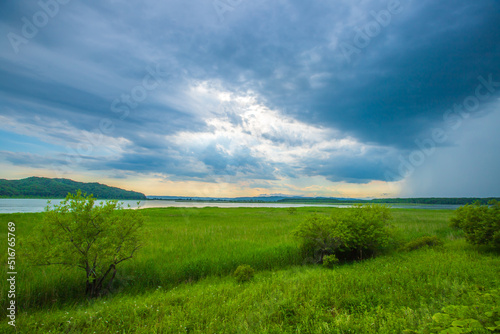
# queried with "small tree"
point(95, 238)
point(480, 223)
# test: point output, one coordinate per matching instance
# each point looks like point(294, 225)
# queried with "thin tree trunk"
point(112, 278)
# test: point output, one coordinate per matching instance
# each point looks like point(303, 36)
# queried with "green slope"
point(41, 187)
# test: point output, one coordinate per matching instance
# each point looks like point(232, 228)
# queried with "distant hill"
point(437, 200)
point(41, 187)
point(426, 200)
point(263, 199)
point(257, 199)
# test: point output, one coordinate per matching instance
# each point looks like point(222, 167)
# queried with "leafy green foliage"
point(291, 210)
point(480, 223)
point(243, 273)
point(482, 317)
point(317, 237)
point(330, 261)
point(430, 241)
point(353, 233)
point(94, 238)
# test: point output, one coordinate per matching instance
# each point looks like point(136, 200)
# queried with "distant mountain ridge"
point(230, 199)
point(260, 199)
point(42, 187)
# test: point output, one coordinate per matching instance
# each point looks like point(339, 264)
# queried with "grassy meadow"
point(180, 282)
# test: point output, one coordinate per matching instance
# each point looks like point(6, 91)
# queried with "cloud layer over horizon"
point(305, 98)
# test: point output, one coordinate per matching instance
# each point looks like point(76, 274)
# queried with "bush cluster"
point(243, 273)
point(349, 234)
point(330, 261)
point(480, 223)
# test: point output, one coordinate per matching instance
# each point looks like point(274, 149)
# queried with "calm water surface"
point(38, 205)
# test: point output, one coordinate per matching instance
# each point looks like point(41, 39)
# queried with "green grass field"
point(180, 281)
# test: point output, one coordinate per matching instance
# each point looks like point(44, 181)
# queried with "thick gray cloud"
point(347, 95)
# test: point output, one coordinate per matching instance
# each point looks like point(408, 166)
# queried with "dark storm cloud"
point(424, 61)
point(355, 169)
point(288, 53)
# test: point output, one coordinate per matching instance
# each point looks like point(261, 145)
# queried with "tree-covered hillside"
point(426, 200)
point(436, 200)
point(41, 187)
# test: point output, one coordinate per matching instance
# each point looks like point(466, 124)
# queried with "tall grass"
point(383, 295)
point(189, 245)
point(182, 245)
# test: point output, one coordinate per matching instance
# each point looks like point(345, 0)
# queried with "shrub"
point(292, 210)
point(422, 242)
point(317, 238)
point(330, 261)
point(243, 273)
point(480, 223)
point(353, 233)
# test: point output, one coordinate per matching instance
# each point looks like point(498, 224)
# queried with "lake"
point(15, 205)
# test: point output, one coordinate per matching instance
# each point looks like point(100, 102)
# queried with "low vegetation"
point(330, 261)
point(184, 279)
point(243, 273)
point(430, 241)
point(480, 223)
point(480, 317)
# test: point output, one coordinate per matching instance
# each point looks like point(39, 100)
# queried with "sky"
point(227, 98)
